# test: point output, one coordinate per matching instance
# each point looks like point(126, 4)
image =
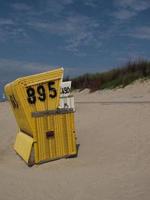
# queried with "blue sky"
point(80, 35)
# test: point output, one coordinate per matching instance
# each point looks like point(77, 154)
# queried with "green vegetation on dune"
point(118, 77)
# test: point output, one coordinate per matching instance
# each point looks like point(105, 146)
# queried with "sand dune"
point(114, 155)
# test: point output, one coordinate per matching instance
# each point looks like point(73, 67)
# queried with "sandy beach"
point(114, 154)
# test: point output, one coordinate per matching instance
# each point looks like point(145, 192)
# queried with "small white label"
point(65, 89)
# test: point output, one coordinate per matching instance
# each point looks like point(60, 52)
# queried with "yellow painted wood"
point(63, 142)
point(18, 88)
point(23, 145)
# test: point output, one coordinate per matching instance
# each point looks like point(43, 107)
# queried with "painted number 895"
point(41, 93)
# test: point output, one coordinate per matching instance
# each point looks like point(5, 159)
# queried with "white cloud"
point(12, 69)
point(91, 3)
point(141, 33)
point(124, 14)
point(55, 8)
point(77, 30)
point(137, 5)
point(16, 34)
point(5, 21)
point(129, 8)
point(21, 7)
point(11, 29)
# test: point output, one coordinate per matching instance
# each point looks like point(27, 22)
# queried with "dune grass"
point(117, 77)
